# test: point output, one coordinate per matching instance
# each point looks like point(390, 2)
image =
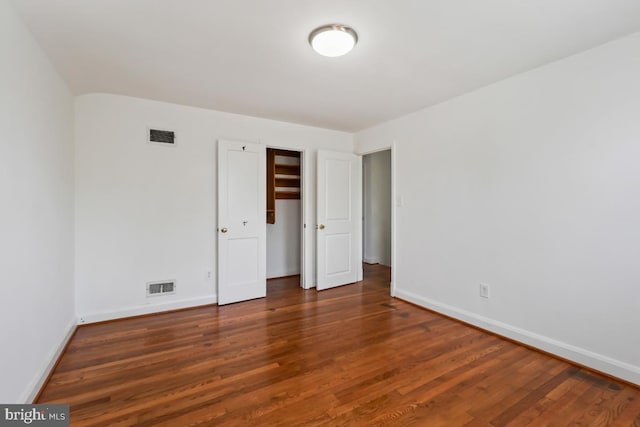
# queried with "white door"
point(339, 219)
point(242, 228)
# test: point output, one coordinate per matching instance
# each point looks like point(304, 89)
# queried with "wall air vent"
point(161, 288)
point(162, 137)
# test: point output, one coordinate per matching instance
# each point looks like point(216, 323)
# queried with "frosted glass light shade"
point(333, 40)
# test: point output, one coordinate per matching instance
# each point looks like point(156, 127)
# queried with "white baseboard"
point(146, 309)
point(599, 362)
point(370, 260)
point(37, 383)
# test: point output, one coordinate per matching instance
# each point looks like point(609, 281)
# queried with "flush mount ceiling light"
point(333, 40)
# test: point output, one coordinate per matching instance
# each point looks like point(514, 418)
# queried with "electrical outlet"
point(209, 274)
point(484, 290)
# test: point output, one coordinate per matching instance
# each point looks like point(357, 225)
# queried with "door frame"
point(395, 200)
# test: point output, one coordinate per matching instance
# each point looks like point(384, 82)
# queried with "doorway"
point(377, 210)
point(284, 215)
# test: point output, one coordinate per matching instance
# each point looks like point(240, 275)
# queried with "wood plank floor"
point(346, 356)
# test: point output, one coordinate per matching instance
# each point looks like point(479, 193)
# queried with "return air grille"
point(158, 136)
point(161, 288)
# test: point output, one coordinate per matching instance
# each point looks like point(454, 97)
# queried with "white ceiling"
point(252, 56)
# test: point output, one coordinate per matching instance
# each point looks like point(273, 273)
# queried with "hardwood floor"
point(346, 356)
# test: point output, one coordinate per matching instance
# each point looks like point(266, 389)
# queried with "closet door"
point(241, 221)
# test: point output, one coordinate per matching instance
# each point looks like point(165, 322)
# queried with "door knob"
point(321, 226)
point(223, 230)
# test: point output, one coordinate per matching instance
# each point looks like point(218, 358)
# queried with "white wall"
point(531, 186)
point(283, 240)
point(36, 219)
point(147, 212)
point(377, 207)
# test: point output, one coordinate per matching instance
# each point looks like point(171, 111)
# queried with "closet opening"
point(284, 218)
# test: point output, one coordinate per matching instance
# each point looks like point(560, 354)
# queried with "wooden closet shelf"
point(288, 182)
point(286, 153)
point(287, 195)
point(283, 180)
point(287, 169)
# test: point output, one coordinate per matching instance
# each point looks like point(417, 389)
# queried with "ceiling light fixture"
point(333, 40)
